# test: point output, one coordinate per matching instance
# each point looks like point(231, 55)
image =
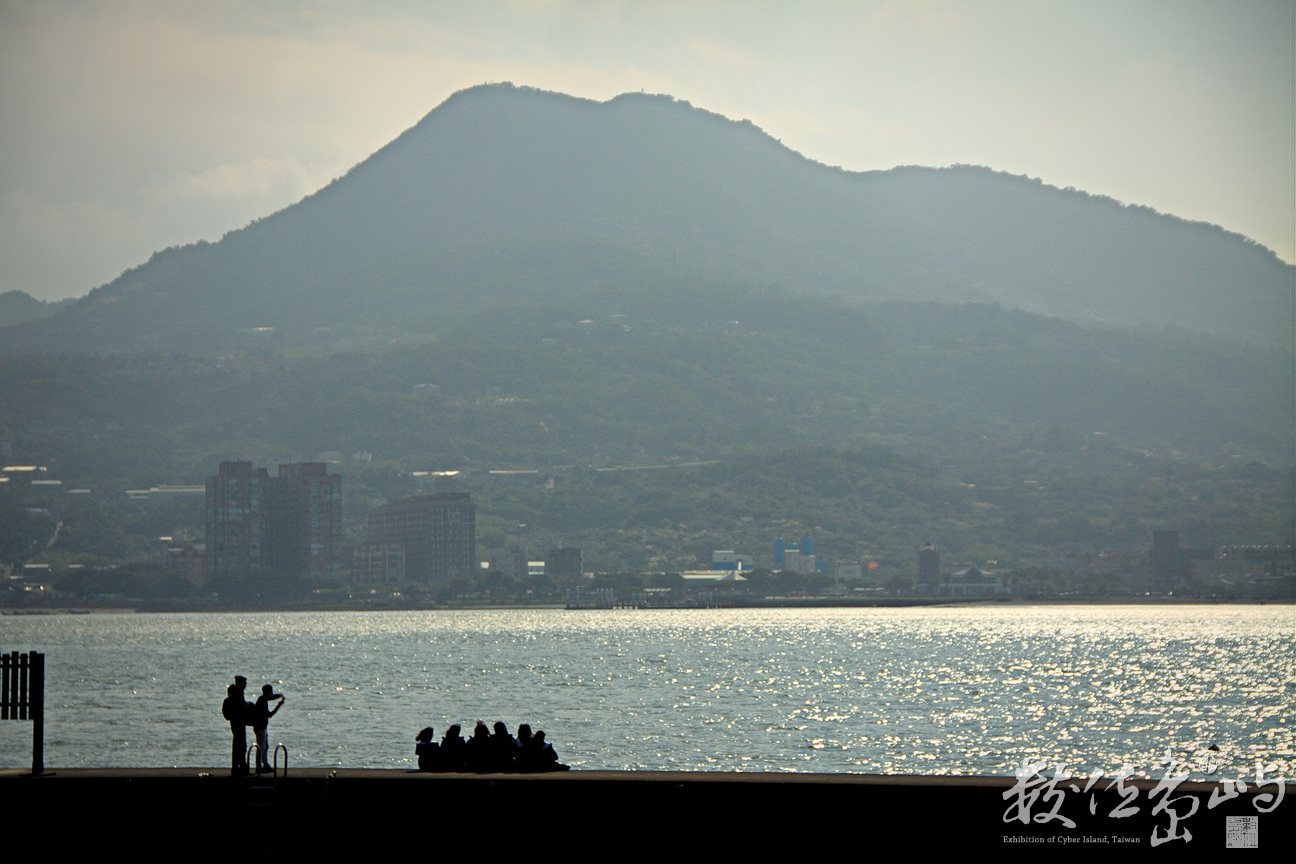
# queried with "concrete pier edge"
point(325, 810)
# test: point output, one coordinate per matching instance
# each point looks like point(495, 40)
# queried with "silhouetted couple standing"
point(240, 713)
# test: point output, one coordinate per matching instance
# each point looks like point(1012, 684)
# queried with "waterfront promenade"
point(324, 811)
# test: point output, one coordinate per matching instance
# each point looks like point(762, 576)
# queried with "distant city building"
point(512, 475)
point(974, 582)
point(716, 577)
point(1171, 562)
point(728, 559)
point(849, 571)
point(304, 530)
point(564, 563)
point(375, 563)
point(1105, 562)
point(795, 562)
point(790, 559)
point(929, 564)
point(260, 526)
point(1253, 562)
point(1167, 563)
point(189, 562)
point(236, 520)
point(437, 531)
point(509, 560)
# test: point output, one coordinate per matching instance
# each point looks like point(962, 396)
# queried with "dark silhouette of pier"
point(326, 811)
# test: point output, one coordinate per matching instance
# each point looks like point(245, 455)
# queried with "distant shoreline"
point(768, 603)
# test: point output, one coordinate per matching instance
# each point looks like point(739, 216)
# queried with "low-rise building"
point(974, 581)
point(728, 559)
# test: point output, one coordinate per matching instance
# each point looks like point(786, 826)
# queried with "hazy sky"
point(127, 127)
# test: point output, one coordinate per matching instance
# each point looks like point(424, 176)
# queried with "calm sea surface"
point(921, 691)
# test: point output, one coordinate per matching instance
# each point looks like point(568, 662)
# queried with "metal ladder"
point(263, 801)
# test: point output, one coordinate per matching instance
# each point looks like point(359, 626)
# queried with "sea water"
point(972, 690)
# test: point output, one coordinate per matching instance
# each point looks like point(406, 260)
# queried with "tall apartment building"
point(236, 525)
point(929, 565)
point(438, 533)
point(1167, 559)
point(260, 526)
point(304, 522)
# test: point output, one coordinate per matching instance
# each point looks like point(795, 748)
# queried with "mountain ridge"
point(506, 194)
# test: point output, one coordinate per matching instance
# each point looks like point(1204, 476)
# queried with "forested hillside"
point(1000, 434)
point(536, 387)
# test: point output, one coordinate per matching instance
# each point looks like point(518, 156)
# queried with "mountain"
point(506, 195)
point(17, 307)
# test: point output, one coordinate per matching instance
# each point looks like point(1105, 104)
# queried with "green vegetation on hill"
point(996, 434)
point(876, 505)
point(737, 374)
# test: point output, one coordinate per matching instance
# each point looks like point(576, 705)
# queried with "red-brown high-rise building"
point(304, 522)
point(236, 525)
point(264, 527)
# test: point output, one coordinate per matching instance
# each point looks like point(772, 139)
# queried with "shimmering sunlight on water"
point(924, 691)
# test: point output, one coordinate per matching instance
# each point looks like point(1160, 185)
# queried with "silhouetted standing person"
point(236, 710)
point(261, 714)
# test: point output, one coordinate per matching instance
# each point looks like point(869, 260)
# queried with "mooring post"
point(37, 696)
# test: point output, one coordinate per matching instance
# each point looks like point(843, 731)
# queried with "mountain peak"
point(508, 194)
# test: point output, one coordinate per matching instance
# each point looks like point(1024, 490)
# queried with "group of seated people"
point(486, 753)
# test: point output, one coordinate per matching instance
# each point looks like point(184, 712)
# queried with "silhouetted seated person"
point(535, 755)
point(523, 742)
point(503, 749)
point(477, 752)
point(429, 754)
point(454, 756)
point(546, 756)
